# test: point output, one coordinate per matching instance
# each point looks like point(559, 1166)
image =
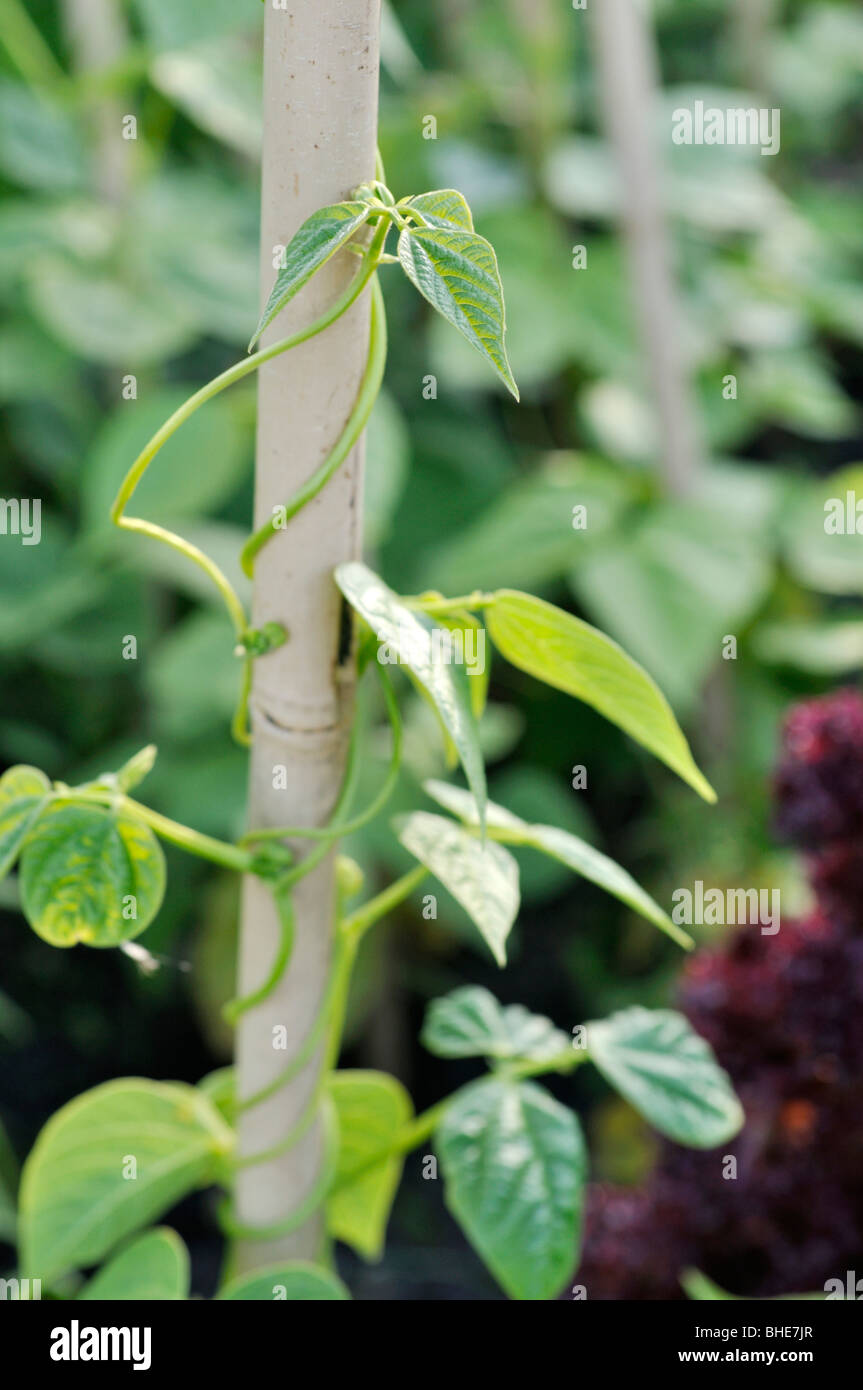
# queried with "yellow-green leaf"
point(108, 1163)
point(24, 793)
point(444, 207)
point(371, 1107)
point(153, 1268)
point(90, 875)
point(561, 650)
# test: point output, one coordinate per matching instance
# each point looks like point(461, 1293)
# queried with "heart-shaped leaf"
point(471, 1023)
point(90, 875)
point(514, 1161)
point(311, 246)
point(153, 1268)
point(555, 647)
point(456, 271)
point(664, 1068)
point(371, 1107)
point(482, 877)
point(408, 637)
point(108, 1163)
point(24, 793)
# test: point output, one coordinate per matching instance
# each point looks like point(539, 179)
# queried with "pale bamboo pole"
point(98, 38)
point(320, 121)
point(751, 25)
point(630, 87)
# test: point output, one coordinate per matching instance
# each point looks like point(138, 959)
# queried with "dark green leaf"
point(318, 238)
point(471, 1023)
point(664, 1068)
point(515, 1163)
point(456, 271)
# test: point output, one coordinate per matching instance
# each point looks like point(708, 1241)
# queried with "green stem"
point(310, 1202)
point(232, 1011)
point(351, 932)
point(354, 426)
point(240, 721)
point(206, 393)
point(422, 1126)
point(312, 1038)
point(293, 1136)
point(409, 1137)
point(192, 841)
point(357, 924)
point(183, 547)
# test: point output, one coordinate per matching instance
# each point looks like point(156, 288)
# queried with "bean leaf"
point(570, 655)
point(152, 1268)
point(371, 1107)
point(109, 1162)
point(312, 245)
point(567, 848)
point(24, 793)
point(456, 271)
point(90, 875)
point(444, 207)
point(295, 1282)
point(483, 877)
point(514, 1161)
point(408, 638)
point(470, 1022)
point(669, 1073)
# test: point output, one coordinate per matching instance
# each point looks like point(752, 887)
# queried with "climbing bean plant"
point(91, 872)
